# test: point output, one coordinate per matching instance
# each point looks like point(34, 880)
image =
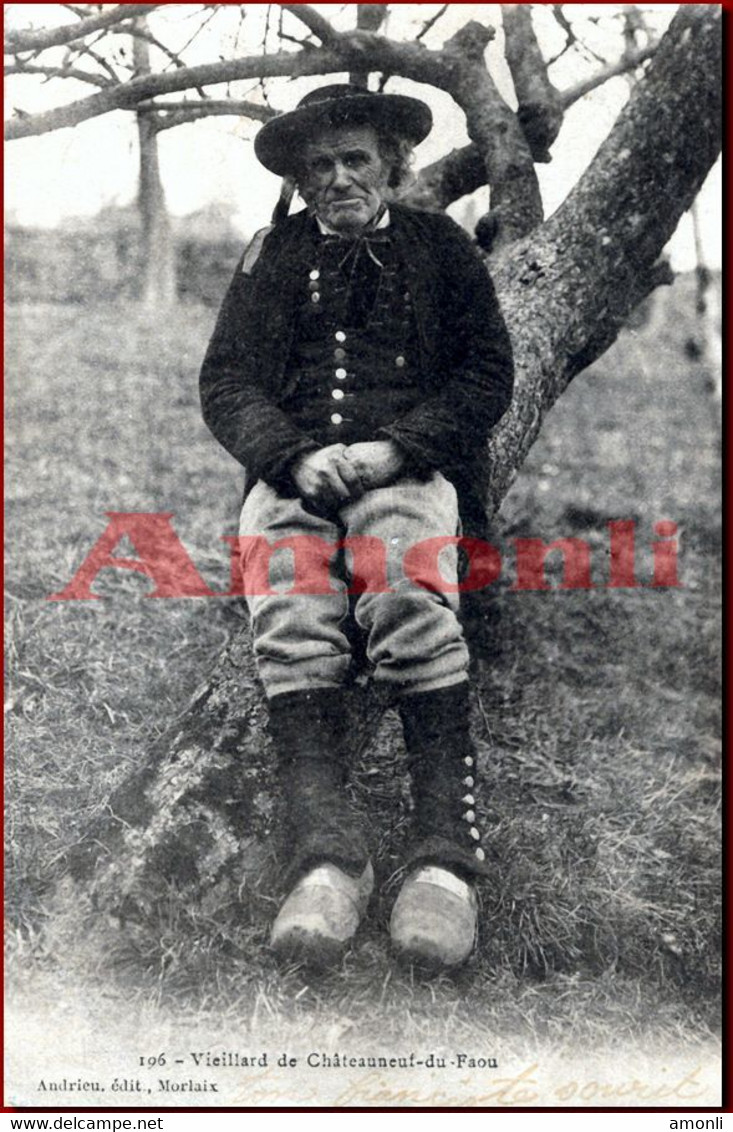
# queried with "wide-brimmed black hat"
point(340, 104)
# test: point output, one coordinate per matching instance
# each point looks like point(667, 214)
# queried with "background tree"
point(566, 286)
point(107, 50)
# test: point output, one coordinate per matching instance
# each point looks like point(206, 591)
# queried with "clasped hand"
point(339, 474)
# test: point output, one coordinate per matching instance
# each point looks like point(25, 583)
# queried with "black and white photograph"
point(363, 556)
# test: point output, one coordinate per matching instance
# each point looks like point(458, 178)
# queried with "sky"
point(75, 172)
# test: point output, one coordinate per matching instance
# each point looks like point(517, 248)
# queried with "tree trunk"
point(198, 814)
point(158, 250)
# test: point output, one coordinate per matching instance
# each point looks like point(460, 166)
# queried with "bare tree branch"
point(88, 50)
point(633, 24)
point(566, 26)
point(58, 73)
point(180, 113)
point(140, 30)
point(369, 17)
point(212, 10)
point(306, 44)
point(462, 171)
point(627, 62)
point(516, 203)
point(145, 33)
point(32, 40)
point(431, 22)
point(316, 23)
point(129, 94)
point(539, 106)
point(451, 177)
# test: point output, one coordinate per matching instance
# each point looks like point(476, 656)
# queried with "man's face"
point(344, 177)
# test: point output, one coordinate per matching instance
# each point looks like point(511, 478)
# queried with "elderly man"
point(358, 363)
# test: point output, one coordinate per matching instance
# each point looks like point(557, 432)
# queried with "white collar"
point(326, 231)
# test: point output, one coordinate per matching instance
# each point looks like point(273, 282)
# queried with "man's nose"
point(341, 175)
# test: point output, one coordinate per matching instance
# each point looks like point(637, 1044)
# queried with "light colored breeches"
point(414, 639)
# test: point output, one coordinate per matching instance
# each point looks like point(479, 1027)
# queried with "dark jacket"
point(465, 354)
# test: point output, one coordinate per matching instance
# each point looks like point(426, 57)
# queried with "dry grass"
point(599, 731)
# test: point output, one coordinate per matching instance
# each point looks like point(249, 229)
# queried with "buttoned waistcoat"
point(466, 367)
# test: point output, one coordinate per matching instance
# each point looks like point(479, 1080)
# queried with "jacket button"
point(315, 273)
point(469, 815)
point(340, 336)
point(480, 855)
point(468, 761)
point(475, 833)
point(336, 418)
point(399, 361)
point(341, 373)
point(468, 782)
point(339, 354)
point(338, 394)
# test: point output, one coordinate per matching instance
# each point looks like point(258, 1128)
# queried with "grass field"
point(600, 734)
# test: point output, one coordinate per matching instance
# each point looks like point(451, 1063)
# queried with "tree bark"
point(158, 249)
point(199, 814)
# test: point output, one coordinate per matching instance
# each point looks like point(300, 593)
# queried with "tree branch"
point(369, 17)
point(627, 62)
point(539, 105)
point(431, 22)
point(566, 26)
point(129, 94)
point(316, 23)
point(33, 40)
point(88, 49)
point(462, 171)
point(451, 177)
point(516, 204)
point(140, 32)
point(180, 113)
point(566, 289)
point(58, 73)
